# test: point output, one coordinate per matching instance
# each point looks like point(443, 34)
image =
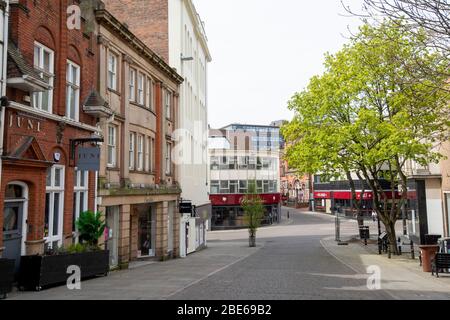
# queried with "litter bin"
point(428, 252)
point(364, 233)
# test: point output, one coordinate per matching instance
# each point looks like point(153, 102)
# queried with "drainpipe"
point(3, 76)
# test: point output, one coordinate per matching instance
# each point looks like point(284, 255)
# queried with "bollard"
point(379, 246)
point(412, 249)
point(389, 250)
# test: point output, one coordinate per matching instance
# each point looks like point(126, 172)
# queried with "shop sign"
point(322, 195)
point(88, 159)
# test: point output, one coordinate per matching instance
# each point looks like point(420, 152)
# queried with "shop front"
point(140, 227)
point(343, 202)
point(43, 192)
point(322, 201)
point(227, 212)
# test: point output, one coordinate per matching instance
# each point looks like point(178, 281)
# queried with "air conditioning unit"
point(107, 185)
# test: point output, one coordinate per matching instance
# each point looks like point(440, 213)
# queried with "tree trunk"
point(252, 240)
point(390, 229)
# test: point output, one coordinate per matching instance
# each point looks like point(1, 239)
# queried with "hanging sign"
point(88, 159)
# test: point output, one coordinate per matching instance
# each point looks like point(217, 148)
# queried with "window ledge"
point(114, 91)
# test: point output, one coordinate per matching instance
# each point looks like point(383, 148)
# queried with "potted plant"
point(39, 271)
point(253, 207)
point(7, 267)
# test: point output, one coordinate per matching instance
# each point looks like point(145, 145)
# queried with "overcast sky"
point(266, 50)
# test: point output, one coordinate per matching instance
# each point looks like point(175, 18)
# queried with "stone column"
point(134, 234)
point(176, 233)
point(124, 236)
point(162, 209)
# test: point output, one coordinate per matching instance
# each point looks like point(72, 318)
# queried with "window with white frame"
point(140, 89)
point(168, 104)
point(44, 65)
point(112, 146)
point(131, 151)
point(140, 152)
point(149, 94)
point(132, 85)
point(72, 91)
point(80, 195)
point(148, 144)
point(54, 206)
point(168, 159)
point(112, 71)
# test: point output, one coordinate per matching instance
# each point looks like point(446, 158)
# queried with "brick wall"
point(147, 19)
point(45, 21)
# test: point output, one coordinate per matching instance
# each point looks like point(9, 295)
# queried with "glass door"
point(112, 229)
point(146, 232)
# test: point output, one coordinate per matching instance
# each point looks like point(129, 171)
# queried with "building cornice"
point(108, 20)
point(198, 26)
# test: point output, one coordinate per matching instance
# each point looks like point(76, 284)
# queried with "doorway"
point(14, 222)
point(112, 242)
point(146, 231)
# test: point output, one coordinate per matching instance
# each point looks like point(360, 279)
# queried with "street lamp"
point(183, 58)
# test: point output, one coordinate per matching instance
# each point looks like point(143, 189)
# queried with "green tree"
point(371, 112)
point(253, 207)
point(91, 227)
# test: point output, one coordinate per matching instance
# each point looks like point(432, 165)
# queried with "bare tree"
point(431, 18)
point(431, 15)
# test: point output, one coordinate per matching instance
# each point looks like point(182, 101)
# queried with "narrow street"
point(290, 262)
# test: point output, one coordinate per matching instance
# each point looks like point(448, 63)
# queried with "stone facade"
point(137, 176)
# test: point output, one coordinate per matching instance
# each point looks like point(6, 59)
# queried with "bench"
point(441, 261)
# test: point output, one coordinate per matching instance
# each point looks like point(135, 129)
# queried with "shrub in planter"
point(91, 227)
point(51, 268)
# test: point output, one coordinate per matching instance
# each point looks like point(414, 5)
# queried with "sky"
point(264, 51)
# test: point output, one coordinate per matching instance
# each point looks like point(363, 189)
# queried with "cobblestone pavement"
point(297, 259)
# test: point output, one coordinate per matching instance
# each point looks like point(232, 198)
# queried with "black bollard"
point(412, 249)
point(379, 246)
point(389, 250)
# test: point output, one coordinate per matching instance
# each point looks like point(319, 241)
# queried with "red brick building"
point(143, 16)
point(52, 73)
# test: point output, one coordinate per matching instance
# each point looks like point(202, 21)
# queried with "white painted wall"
point(434, 206)
point(187, 39)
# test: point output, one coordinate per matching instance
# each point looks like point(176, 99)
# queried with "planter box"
point(37, 272)
point(7, 267)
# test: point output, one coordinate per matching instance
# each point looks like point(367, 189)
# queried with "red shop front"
point(227, 212)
